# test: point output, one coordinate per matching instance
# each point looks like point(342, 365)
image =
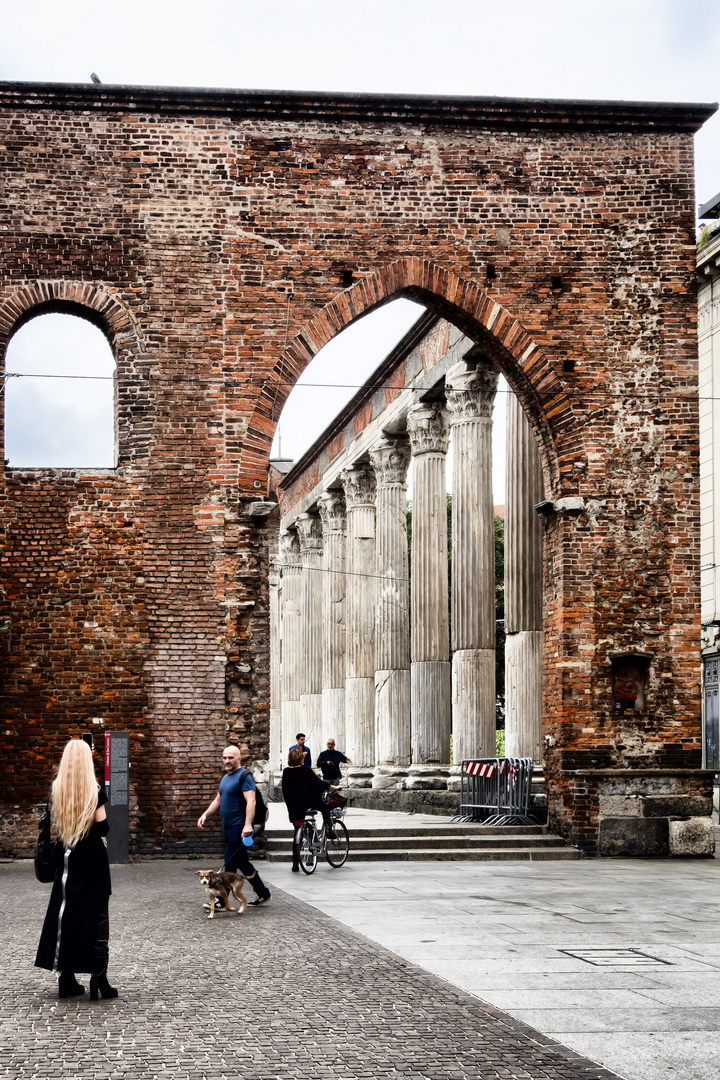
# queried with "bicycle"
point(315, 843)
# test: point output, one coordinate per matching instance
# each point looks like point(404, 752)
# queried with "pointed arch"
point(465, 304)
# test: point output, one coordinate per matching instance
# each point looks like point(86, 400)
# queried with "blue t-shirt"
point(232, 801)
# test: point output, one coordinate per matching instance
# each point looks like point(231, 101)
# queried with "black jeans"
point(237, 859)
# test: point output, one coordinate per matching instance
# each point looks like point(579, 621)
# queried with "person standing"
point(75, 934)
point(329, 763)
point(236, 801)
point(300, 745)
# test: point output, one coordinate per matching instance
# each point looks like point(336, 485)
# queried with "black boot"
point(68, 986)
point(98, 980)
point(99, 985)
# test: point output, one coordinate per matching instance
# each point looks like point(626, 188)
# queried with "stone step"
point(452, 855)
point(449, 831)
point(362, 842)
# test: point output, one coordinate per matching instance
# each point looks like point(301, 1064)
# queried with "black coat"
point(302, 790)
point(67, 942)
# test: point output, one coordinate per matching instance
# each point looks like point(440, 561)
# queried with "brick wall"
point(209, 233)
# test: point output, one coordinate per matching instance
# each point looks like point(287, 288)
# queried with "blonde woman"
point(75, 932)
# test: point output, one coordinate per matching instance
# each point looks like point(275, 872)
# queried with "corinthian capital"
point(332, 511)
point(310, 532)
point(390, 458)
point(359, 484)
point(427, 426)
point(289, 549)
point(470, 390)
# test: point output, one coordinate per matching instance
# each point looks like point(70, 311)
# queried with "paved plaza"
point(281, 993)
point(413, 970)
point(540, 941)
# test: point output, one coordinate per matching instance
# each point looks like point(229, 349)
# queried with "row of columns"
point(367, 661)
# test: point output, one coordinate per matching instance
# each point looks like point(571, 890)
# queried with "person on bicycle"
point(302, 791)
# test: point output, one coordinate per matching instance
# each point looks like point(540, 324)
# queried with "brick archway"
point(72, 297)
point(463, 302)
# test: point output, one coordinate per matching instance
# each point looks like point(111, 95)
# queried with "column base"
point(427, 777)
point(523, 694)
point(389, 777)
point(392, 717)
point(311, 724)
point(333, 717)
point(359, 778)
point(430, 698)
point(473, 704)
point(360, 722)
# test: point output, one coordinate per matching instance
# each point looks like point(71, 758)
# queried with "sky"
point(644, 50)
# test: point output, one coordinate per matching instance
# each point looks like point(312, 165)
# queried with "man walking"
point(300, 745)
point(236, 801)
point(329, 762)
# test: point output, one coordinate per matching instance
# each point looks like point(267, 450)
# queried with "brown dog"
point(222, 885)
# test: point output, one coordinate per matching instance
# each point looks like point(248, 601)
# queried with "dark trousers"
point(237, 860)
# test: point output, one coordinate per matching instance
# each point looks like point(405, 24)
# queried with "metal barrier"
point(496, 791)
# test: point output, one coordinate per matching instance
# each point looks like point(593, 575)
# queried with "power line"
point(233, 383)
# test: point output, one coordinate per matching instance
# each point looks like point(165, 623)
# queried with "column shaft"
point(359, 484)
point(470, 388)
point(523, 589)
point(333, 515)
point(390, 459)
point(430, 667)
point(290, 667)
point(276, 747)
point(310, 533)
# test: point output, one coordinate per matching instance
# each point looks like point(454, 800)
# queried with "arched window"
point(59, 395)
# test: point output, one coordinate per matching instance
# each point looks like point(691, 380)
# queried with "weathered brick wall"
point(209, 233)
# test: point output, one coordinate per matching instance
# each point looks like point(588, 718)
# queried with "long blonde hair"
point(74, 793)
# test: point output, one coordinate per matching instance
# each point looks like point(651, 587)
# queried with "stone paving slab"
point(283, 992)
point(511, 934)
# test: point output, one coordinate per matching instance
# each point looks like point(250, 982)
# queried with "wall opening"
point(59, 395)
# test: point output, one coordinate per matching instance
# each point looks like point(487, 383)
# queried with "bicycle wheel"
point(338, 844)
point(308, 857)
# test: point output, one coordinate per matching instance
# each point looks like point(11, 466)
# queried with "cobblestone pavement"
point(279, 993)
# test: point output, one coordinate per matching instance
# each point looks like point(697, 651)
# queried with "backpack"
point(261, 810)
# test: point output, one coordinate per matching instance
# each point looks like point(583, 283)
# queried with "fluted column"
point(470, 389)
point(523, 589)
point(333, 517)
point(359, 485)
point(390, 458)
point(310, 533)
point(430, 668)
point(274, 578)
point(290, 666)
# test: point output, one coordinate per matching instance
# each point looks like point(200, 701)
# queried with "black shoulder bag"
point(44, 850)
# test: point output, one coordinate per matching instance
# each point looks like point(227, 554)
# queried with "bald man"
point(236, 801)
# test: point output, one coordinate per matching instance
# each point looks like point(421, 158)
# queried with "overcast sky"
point(645, 50)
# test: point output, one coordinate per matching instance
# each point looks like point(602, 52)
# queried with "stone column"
point(359, 485)
point(390, 458)
point(470, 388)
point(427, 426)
point(332, 514)
point(311, 645)
point(290, 665)
point(276, 747)
point(523, 589)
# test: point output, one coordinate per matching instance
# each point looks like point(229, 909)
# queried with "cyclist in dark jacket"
point(302, 791)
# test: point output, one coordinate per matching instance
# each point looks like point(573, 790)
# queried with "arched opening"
point(59, 393)
point(422, 423)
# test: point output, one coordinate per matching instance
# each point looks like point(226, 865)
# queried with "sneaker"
point(219, 906)
point(259, 900)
